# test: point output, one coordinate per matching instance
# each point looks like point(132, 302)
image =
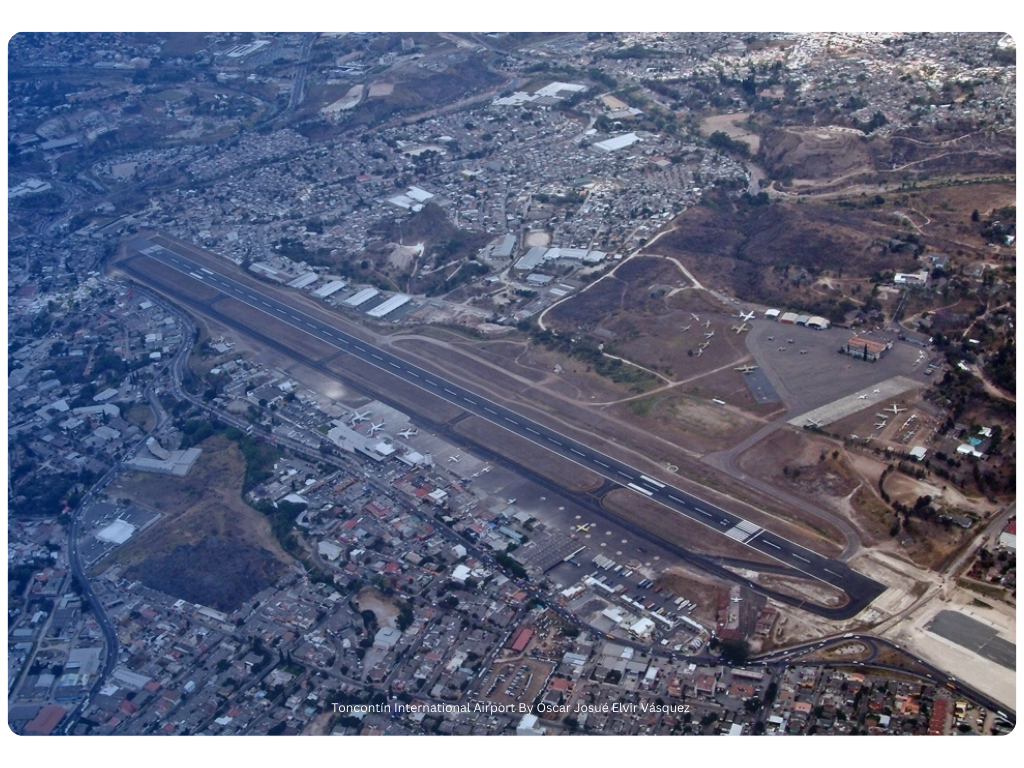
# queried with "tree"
point(735, 651)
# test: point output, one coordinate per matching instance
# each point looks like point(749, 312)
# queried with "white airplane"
point(881, 425)
point(895, 408)
point(511, 502)
point(699, 352)
point(771, 338)
point(875, 391)
point(740, 328)
point(707, 323)
point(358, 417)
point(803, 351)
point(735, 599)
point(375, 428)
point(812, 423)
point(746, 316)
point(486, 469)
point(582, 527)
point(454, 458)
point(746, 368)
point(407, 433)
point(695, 317)
point(686, 328)
point(863, 397)
point(709, 335)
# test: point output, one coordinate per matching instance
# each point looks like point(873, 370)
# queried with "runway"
point(859, 589)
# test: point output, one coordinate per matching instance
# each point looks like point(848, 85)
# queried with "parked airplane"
point(407, 433)
point(486, 469)
point(895, 408)
point(454, 458)
point(803, 351)
point(375, 428)
point(746, 368)
point(875, 391)
point(695, 317)
point(863, 397)
point(709, 335)
point(813, 423)
point(511, 502)
point(700, 352)
point(881, 425)
point(707, 323)
point(771, 338)
point(582, 527)
point(747, 315)
point(740, 328)
point(358, 417)
point(687, 328)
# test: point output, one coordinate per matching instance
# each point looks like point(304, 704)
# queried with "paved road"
point(860, 589)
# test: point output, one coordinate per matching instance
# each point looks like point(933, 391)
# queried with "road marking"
point(638, 489)
point(707, 514)
point(471, 402)
point(628, 477)
point(724, 522)
point(490, 410)
point(578, 453)
point(360, 348)
point(677, 499)
point(431, 383)
point(801, 558)
point(264, 304)
point(652, 481)
point(413, 374)
point(531, 429)
point(376, 356)
point(510, 421)
point(832, 572)
point(394, 365)
point(770, 544)
point(554, 441)
point(598, 461)
point(450, 392)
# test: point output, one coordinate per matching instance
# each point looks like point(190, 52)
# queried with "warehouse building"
point(865, 349)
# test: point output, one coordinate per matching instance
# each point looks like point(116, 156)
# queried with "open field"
point(210, 547)
point(730, 126)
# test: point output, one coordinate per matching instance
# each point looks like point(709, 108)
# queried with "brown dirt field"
point(642, 305)
point(729, 125)
point(809, 589)
point(207, 502)
point(676, 528)
point(803, 463)
point(141, 415)
point(693, 423)
point(872, 517)
point(569, 475)
point(292, 337)
point(371, 599)
point(933, 542)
